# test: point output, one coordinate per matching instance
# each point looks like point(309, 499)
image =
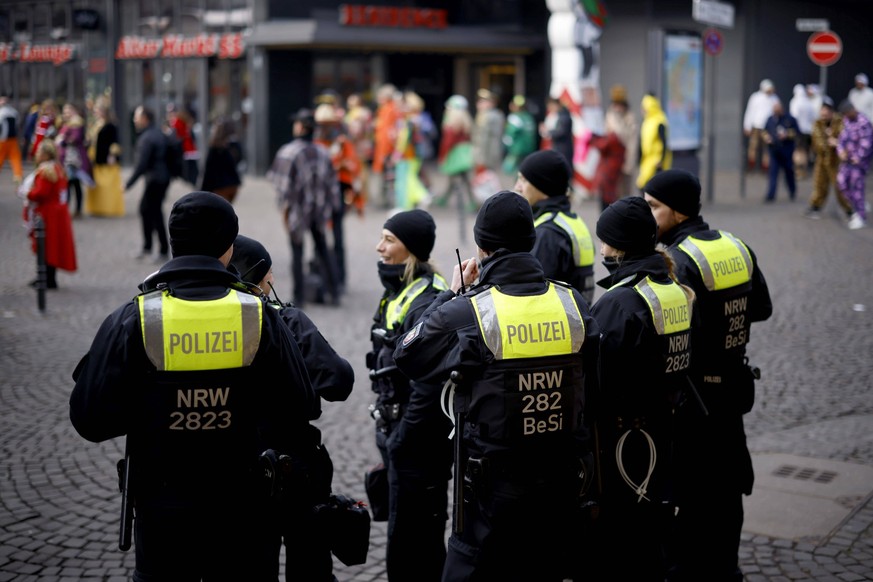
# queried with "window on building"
point(60, 21)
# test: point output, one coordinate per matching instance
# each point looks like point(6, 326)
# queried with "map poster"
point(683, 90)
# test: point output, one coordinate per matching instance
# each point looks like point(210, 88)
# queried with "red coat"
point(608, 171)
point(44, 197)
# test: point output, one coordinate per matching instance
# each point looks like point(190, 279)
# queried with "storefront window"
point(21, 25)
point(42, 23)
point(60, 23)
point(5, 25)
point(341, 73)
point(192, 17)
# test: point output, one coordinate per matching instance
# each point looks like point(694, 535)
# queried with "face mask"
point(612, 264)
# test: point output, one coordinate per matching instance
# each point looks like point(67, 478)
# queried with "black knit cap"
point(547, 170)
point(505, 221)
point(416, 230)
point(202, 223)
point(678, 189)
point(628, 225)
point(251, 259)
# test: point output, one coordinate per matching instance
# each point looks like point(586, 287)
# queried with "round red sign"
point(824, 48)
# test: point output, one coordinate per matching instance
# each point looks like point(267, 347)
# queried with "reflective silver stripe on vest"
point(490, 324)
point(705, 268)
point(574, 242)
point(251, 325)
point(153, 327)
point(655, 303)
point(574, 318)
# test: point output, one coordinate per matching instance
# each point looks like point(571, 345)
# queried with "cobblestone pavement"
point(59, 504)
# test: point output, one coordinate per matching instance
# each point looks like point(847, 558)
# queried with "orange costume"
point(387, 116)
point(347, 164)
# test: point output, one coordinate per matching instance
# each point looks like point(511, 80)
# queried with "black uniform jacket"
point(113, 377)
point(423, 426)
point(709, 357)
point(331, 375)
point(448, 338)
point(554, 250)
point(633, 382)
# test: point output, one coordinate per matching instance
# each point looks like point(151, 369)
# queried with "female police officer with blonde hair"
point(411, 430)
point(645, 320)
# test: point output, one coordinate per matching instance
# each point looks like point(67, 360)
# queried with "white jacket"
point(758, 109)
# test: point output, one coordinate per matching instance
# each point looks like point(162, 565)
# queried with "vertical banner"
point(575, 27)
point(682, 79)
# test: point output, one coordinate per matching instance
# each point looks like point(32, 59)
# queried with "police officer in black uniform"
point(307, 546)
point(521, 350)
point(714, 461)
point(564, 246)
point(411, 431)
point(645, 320)
point(201, 377)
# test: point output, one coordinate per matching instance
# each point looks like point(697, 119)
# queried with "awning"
point(330, 34)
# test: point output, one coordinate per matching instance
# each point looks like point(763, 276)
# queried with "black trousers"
point(323, 255)
point(151, 215)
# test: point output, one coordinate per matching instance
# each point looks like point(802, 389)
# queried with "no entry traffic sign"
point(824, 48)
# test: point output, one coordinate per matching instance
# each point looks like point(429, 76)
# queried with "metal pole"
point(39, 235)
point(823, 80)
point(710, 138)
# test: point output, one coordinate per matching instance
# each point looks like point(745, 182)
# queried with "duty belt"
point(384, 414)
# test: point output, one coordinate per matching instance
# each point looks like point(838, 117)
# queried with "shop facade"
point(436, 49)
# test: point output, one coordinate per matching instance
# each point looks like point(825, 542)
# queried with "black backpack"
point(174, 155)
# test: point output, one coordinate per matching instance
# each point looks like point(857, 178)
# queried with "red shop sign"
point(392, 16)
point(176, 46)
point(56, 54)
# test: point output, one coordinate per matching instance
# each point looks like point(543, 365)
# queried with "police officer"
point(645, 321)
point(521, 351)
point(713, 458)
point(201, 377)
point(307, 549)
point(411, 431)
point(563, 246)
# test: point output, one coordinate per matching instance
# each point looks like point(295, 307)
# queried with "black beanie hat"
point(505, 221)
point(251, 259)
point(678, 189)
point(547, 170)
point(628, 225)
point(415, 229)
point(202, 223)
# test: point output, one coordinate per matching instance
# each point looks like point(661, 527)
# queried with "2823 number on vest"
point(190, 413)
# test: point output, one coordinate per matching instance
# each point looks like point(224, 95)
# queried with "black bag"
point(174, 156)
point(376, 484)
point(346, 525)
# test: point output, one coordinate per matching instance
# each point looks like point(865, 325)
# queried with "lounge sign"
point(176, 46)
point(392, 16)
point(56, 54)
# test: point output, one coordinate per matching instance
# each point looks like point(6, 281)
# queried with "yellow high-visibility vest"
point(668, 304)
point(723, 263)
point(185, 335)
point(530, 326)
point(397, 308)
point(580, 237)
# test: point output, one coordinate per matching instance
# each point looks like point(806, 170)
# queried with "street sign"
point(824, 48)
point(713, 42)
point(713, 13)
point(812, 24)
